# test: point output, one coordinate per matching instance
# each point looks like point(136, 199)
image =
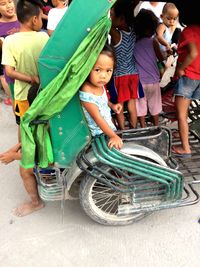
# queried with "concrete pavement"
point(49, 238)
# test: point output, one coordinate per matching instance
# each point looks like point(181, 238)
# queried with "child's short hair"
point(125, 8)
point(109, 51)
point(27, 9)
point(146, 24)
point(168, 6)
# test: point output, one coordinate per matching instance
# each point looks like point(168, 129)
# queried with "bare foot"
point(27, 208)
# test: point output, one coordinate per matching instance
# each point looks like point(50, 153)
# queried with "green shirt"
point(21, 51)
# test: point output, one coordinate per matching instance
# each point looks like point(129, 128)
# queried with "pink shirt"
point(188, 35)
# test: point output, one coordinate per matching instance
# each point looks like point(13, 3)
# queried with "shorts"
point(20, 108)
point(151, 101)
point(188, 88)
point(128, 87)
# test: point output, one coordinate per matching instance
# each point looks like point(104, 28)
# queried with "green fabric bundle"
point(55, 96)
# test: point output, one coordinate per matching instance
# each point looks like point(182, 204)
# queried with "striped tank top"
point(124, 51)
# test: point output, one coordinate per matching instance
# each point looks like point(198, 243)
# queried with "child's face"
point(102, 71)
point(170, 17)
point(7, 8)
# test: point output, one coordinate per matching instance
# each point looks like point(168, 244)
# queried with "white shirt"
point(157, 10)
point(54, 17)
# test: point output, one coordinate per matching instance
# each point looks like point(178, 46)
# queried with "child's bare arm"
point(15, 148)
point(1, 42)
point(159, 32)
point(192, 54)
point(12, 73)
point(160, 56)
point(93, 110)
point(44, 16)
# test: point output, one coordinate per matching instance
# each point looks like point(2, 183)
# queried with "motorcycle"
point(120, 187)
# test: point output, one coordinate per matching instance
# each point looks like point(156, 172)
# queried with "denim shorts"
point(187, 88)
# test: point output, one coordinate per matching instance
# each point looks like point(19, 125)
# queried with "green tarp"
point(55, 96)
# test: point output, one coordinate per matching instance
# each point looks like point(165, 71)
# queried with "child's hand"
point(8, 157)
point(35, 79)
point(169, 51)
point(116, 142)
point(116, 108)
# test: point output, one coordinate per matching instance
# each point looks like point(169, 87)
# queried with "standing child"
point(8, 25)
point(21, 51)
point(94, 98)
point(147, 51)
point(188, 71)
point(20, 55)
point(55, 14)
point(126, 79)
point(165, 31)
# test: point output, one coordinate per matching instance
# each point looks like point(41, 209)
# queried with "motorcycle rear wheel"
point(100, 203)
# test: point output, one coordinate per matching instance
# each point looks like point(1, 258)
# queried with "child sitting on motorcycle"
point(94, 100)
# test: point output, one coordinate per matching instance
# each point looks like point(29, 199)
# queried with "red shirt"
point(188, 35)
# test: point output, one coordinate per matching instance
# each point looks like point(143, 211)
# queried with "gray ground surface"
point(48, 239)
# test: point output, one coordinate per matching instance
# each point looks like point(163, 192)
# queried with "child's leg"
point(155, 120)
point(18, 133)
point(20, 108)
point(182, 105)
point(120, 118)
point(30, 185)
point(142, 121)
point(132, 112)
point(154, 101)
point(5, 86)
point(141, 108)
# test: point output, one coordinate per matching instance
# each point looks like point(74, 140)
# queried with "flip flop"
point(181, 155)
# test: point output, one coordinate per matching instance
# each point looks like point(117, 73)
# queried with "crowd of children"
point(131, 62)
point(52, 13)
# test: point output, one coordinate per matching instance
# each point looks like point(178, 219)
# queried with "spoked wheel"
point(100, 202)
